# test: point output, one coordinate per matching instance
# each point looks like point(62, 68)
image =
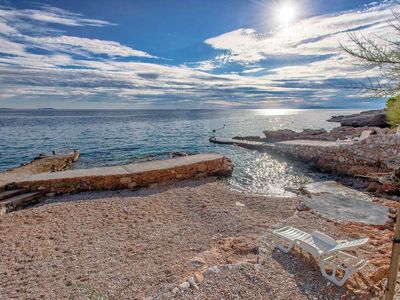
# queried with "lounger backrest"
point(348, 245)
point(324, 238)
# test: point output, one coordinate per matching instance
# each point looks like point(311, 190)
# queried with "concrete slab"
point(170, 163)
point(125, 169)
point(339, 202)
point(311, 143)
point(104, 171)
point(332, 187)
point(348, 209)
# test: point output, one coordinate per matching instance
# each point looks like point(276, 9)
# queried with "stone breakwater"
point(378, 153)
point(130, 176)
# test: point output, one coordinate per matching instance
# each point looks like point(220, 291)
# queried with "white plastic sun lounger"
point(326, 250)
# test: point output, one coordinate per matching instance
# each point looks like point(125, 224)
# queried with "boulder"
point(373, 118)
point(287, 134)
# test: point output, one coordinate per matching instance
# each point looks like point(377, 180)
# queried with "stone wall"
point(378, 153)
point(129, 176)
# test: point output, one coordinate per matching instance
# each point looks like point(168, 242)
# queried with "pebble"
point(197, 262)
point(184, 285)
point(169, 286)
point(301, 206)
point(175, 290)
point(132, 185)
point(213, 269)
point(193, 283)
point(240, 204)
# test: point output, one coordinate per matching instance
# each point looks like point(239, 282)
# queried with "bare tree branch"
point(378, 52)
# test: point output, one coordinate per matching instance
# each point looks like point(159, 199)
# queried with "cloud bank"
point(300, 66)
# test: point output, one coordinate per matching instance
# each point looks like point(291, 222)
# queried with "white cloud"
point(50, 15)
point(312, 36)
point(59, 74)
point(11, 48)
point(95, 46)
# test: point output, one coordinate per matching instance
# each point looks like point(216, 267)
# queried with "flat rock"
point(332, 187)
point(338, 202)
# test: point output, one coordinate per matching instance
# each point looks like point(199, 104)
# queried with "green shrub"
point(393, 111)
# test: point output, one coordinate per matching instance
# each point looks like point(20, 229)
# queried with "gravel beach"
point(144, 244)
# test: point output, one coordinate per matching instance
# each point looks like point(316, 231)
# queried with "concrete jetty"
point(242, 143)
point(378, 153)
point(131, 176)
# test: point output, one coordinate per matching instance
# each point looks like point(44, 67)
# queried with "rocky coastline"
point(365, 155)
point(373, 118)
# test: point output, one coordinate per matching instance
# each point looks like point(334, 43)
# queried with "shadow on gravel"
point(306, 274)
point(121, 194)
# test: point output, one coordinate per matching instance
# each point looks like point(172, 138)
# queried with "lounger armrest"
point(348, 245)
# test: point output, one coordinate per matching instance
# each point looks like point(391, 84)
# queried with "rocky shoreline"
point(366, 156)
point(372, 118)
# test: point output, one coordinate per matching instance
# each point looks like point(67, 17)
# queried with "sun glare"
point(286, 13)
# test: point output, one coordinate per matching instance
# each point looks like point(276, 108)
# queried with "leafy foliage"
point(393, 111)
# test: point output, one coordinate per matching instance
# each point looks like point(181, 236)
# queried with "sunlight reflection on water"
point(123, 136)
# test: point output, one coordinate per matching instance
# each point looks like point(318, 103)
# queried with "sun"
point(286, 13)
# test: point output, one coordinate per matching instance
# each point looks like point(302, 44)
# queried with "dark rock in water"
point(40, 156)
point(177, 154)
point(373, 118)
point(248, 138)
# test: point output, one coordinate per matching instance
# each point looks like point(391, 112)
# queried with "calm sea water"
point(111, 137)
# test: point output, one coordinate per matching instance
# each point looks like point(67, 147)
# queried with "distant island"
point(45, 108)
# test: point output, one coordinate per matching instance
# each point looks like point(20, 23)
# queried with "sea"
point(113, 137)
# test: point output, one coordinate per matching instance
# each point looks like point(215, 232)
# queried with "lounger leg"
point(283, 248)
point(332, 277)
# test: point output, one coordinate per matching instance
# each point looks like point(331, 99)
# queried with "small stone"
point(169, 286)
point(175, 290)
point(301, 206)
point(198, 262)
point(240, 204)
point(41, 188)
point(125, 180)
point(184, 286)
point(193, 283)
point(132, 185)
point(213, 269)
point(50, 194)
point(199, 277)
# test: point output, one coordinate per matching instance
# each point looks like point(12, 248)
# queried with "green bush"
point(393, 111)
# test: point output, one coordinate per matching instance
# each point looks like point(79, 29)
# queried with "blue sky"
point(185, 54)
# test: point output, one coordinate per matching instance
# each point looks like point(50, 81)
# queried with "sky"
point(200, 54)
